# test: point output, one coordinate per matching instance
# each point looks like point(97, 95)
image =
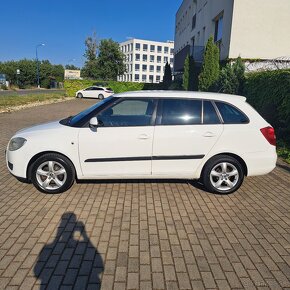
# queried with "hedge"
point(72, 86)
point(269, 93)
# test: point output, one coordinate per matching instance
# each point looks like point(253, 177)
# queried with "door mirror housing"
point(94, 123)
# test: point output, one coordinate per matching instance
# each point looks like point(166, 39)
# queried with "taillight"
point(269, 134)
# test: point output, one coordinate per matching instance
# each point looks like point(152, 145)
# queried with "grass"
point(284, 153)
point(18, 100)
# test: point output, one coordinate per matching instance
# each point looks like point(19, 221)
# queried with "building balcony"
point(196, 51)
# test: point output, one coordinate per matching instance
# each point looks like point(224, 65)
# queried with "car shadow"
point(71, 260)
point(195, 183)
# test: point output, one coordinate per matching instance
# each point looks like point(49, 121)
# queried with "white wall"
point(261, 29)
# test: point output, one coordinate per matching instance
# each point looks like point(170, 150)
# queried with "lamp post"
point(37, 63)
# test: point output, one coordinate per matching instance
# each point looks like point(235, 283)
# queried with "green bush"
point(269, 93)
point(72, 86)
point(232, 78)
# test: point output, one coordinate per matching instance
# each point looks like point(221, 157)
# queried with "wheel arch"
point(237, 157)
point(36, 156)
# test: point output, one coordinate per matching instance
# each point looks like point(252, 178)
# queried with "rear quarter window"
point(231, 114)
point(209, 114)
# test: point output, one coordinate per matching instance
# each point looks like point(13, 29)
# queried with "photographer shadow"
point(71, 259)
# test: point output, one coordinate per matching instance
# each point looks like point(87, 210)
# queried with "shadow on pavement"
point(71, 259)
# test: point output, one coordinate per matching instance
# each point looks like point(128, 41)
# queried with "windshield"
point(72, 121)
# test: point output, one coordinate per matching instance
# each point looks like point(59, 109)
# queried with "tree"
point(90, 69)
point(210, 69)
point(27, 76)
point(232, 78)
point(167, 78)
point(189, 74)
point(110, 60)
point(91, 47)
point(71, 67)
point(239, 71)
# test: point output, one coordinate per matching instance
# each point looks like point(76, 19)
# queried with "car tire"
point(101, 96)
point(80, 95)
point(222, 174)
point(52, 173)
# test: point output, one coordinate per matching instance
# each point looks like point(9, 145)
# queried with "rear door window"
point(181, 112)
point(230, 114)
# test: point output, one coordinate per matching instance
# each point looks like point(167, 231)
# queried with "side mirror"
point(94, 123)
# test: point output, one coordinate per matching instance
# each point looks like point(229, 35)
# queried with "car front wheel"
point(222, 174)
point(79, 95)
point(52, 173)
point(101, 96)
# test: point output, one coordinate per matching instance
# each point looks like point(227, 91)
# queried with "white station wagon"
point(216, 138)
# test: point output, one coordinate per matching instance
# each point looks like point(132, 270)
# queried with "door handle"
point(143, 137)
point(208, 134)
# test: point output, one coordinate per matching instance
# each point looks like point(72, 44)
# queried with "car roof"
point(181, 94)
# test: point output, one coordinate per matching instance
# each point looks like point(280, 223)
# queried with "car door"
point(88, 92)
point(122, 144)
point(183, 137)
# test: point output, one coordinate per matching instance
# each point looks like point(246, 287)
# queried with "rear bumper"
point(260, 163)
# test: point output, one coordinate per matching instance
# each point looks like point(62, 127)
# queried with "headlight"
point(16, 143)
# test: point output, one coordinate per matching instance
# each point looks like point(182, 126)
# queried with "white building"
point(252, 29)
point(145, 60)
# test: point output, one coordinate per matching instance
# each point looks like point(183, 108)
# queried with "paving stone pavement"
point(140, 234)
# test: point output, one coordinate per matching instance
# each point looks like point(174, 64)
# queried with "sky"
point(63, 25)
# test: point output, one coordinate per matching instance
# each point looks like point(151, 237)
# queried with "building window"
point(171, 61)
point(158, 79)
point(152, 58)
point(172, 51)
point(158, 68)
point(165, 59)
point(144, 57)
point(137, 46)
point(193, 24)
point(159, 49)
point(218, 34)
point(145, 47)
point(137, 67)
point(166, 49)
point(137, 78)
point(152, 48)
point(144, 67)
point(137, 57)
point(151, 78)
point(159, 59)
point(144, 78)
point(151, 68)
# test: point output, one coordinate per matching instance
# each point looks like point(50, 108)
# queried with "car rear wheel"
point(52, 173)
point(101, 96)
point(222, 174)
point(80, 95)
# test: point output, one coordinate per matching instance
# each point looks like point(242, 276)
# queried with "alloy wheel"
point(224, 176)
point(51, 175)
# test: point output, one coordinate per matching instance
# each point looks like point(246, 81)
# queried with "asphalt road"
point(30, 92)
